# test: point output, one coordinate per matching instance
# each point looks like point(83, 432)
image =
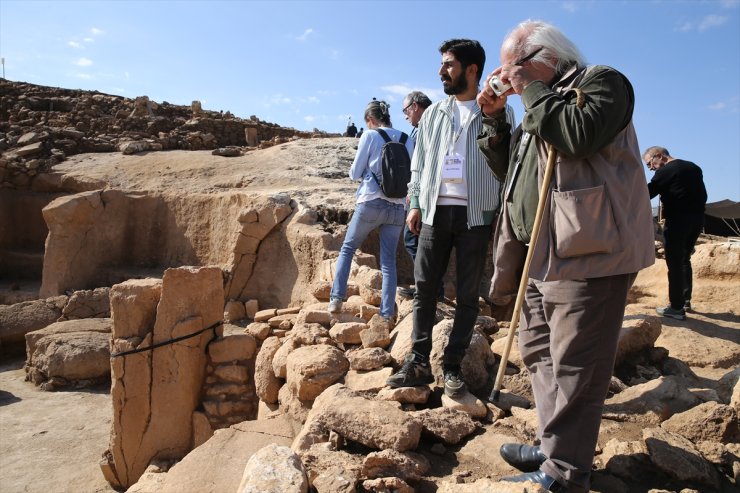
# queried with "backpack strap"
point(403, 138)
point(383, 134)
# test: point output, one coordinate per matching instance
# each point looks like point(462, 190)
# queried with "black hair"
point(467, 52)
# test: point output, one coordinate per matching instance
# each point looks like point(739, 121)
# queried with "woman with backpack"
point(375, 210)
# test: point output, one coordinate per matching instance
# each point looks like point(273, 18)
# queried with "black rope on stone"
point(172, 341)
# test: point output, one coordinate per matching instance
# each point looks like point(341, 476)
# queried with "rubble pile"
point(41, 126)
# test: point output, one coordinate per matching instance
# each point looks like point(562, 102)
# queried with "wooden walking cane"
point(496, 393)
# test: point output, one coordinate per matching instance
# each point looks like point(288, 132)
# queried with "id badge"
point(452, 170)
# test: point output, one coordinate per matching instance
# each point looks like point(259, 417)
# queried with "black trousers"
point(680, 235)
point(450, 230)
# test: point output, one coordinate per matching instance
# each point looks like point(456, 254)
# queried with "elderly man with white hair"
point(596, 235)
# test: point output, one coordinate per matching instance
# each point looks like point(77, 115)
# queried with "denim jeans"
point(389, 219)
point(450, 230)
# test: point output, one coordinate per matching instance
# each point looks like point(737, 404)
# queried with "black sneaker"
point(411, 374)
point(687, 307)
point(454, 383)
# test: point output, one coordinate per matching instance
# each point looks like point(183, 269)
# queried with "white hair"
point(558, 51)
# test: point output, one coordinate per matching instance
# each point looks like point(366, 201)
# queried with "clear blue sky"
point(309, 64)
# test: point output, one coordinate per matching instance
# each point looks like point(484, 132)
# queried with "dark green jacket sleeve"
point(493, 142)
point(580, 132)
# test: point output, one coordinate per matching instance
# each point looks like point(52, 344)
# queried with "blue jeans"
point(388, 218)
point(450, 230)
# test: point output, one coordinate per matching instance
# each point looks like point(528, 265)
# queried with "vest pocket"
point(583, 223)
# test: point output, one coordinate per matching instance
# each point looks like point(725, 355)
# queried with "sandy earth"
point(52, 441)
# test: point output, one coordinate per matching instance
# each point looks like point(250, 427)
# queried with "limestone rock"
point(90, 303)
point(251, 307)
point(405, 395)
point(375, 336)
point(387, 485)
point(291, 405)
point(258, 330)
point(274, 469)
point(75, 352)
point(232, 347)
point(308, 334)
point(368, 359)
point(234, 310)
point(448, 425)
point(636, 335)
point(654, 401)
point(678, 458)
point(367, 381)
point(280, 359)
point(391, 463)
point(311, 369)
point(622, 458)
point(467, 403)
point(727, 386)
point(21, 318)
point(707, 421)
point(347, 332)
point(155, 392)
point(515, 357)
point(266, 383)
point(331, 470)
point(486, 485)
point(376, 424)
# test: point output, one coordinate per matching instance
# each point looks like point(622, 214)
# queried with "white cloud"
point(731, 105)
point(711, 21)
point(83, 62)
point(96, 32)
point(334, 54)
point(83, 76)
point(74, 44)
point(280, 99)
point(401, 90)
point(730, 4)
point(313, 99)
point(309, 118)
point(127, 75)
point(88, 40)
point(303, 37)
point(569, 6)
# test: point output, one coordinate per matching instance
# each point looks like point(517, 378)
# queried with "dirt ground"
point(52, 441)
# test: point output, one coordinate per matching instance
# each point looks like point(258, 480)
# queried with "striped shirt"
point(435, 129)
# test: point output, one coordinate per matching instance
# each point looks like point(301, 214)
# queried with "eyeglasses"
point(649, 161)
point(526, 58)
point(406, 109)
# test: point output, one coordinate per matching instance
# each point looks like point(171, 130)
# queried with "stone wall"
point(156, 393)
point(40, 126)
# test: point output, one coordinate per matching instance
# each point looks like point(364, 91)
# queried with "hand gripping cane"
point(551, 154)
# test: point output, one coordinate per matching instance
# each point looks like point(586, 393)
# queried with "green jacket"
point(598, 169)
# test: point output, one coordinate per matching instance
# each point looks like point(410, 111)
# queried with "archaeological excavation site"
point(164, 278)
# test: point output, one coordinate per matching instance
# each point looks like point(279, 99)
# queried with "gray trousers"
point(568, 341)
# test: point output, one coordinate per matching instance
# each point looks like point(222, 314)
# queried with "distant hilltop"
point(40, 126)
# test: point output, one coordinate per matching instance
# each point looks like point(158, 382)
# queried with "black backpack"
point(395, 164)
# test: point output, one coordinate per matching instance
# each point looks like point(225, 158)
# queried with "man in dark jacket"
point(680, 185)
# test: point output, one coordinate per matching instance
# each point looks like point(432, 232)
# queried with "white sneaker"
point(335, 305)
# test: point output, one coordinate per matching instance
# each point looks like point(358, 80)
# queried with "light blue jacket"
point(367, 160)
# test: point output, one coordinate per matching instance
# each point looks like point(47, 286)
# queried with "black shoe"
point(454, 383)
point(526, 458)
point(687, 307)
point(407, 293)
point(538, 477)
point(411, 374)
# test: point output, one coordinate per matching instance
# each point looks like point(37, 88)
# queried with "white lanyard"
point(455, 136)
